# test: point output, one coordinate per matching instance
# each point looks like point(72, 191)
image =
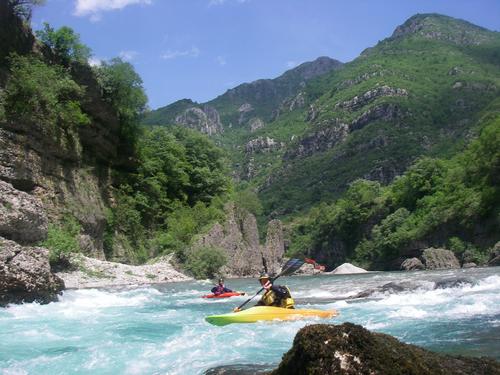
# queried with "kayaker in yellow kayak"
point(275, 295)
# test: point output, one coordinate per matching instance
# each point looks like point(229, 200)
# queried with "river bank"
point(85, 272)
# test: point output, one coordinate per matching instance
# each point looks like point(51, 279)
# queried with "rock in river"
point(322, 349)
point(25, 274)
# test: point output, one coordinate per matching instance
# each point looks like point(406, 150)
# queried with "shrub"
point(62, 239)
point(205, 263)
point(36, 93)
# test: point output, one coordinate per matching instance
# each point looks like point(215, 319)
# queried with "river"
point(160, 329)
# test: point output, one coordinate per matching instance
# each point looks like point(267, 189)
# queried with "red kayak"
point(223, 295)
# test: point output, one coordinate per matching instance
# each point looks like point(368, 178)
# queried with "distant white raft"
point(347, 268)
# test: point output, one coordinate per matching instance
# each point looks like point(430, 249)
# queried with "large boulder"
point(238, 237)
point(322, 349)
point(412, 264)
point(495, 255)
point(25, 274)
point(346, 269)
point(437, 259)
point(274, 249)
point(22, 217)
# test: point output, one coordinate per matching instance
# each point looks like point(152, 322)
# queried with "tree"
point(122, 87)
point(64, 43)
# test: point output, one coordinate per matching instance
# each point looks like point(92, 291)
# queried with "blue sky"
point(200, 48)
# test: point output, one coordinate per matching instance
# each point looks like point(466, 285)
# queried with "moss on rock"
point(352, 349)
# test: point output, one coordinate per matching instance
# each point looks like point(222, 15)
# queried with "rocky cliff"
point(238, 237)
point(49, 173)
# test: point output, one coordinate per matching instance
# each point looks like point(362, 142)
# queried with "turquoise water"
point(160, 329)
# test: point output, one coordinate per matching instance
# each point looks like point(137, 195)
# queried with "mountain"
point(245, 104)
point(304, 137)
point(419, 92)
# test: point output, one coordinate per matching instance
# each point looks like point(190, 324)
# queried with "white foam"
point(408, 312)
point(375, 326)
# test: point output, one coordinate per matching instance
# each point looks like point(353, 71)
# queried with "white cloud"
point(128, 55)
point(220, 2)
point(93, 8)
point(291, 64)
point(169, 55)
point(95, 61)
point(221, 60)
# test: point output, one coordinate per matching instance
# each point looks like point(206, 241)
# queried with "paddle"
point(290, 267)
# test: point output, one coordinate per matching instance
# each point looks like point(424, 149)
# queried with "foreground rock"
point(25, 274)
point(351, 349)
point(93, 273)
point(346, 269)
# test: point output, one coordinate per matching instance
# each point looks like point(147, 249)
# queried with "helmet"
point(221, 280)
point(264, 276)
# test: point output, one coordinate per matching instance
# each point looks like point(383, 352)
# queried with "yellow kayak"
point(258, 313)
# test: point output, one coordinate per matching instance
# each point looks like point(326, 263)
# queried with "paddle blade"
point(291, 266)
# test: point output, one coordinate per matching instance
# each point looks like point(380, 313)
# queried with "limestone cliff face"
point(56, 171)
point(238, 237)
point(205, 119)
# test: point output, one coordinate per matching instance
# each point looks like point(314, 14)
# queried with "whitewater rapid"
point(161, 329)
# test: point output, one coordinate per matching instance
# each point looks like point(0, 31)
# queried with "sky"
point(198, 49)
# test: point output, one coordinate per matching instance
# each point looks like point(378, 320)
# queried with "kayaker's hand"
point(268, 285)
point(236, 309)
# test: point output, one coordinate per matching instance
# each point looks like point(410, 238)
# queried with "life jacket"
point(271, 299)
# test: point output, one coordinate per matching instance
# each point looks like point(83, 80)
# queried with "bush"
point(62, 239)
point(206, 262)
point(36, 93)
point(248, 200)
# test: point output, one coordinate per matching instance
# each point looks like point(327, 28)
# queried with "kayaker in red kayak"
point(220, 288)
point(275, 295)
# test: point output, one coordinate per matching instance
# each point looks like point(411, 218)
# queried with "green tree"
point(65, 44)
point(122, 87)
point(249, 200)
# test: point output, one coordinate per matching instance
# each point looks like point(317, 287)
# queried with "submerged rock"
point(25, 274)
point(455, 282)
point(347, 268)
point(351, 349)
point(392, 287)
point(436, 259)
point(469, 265)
